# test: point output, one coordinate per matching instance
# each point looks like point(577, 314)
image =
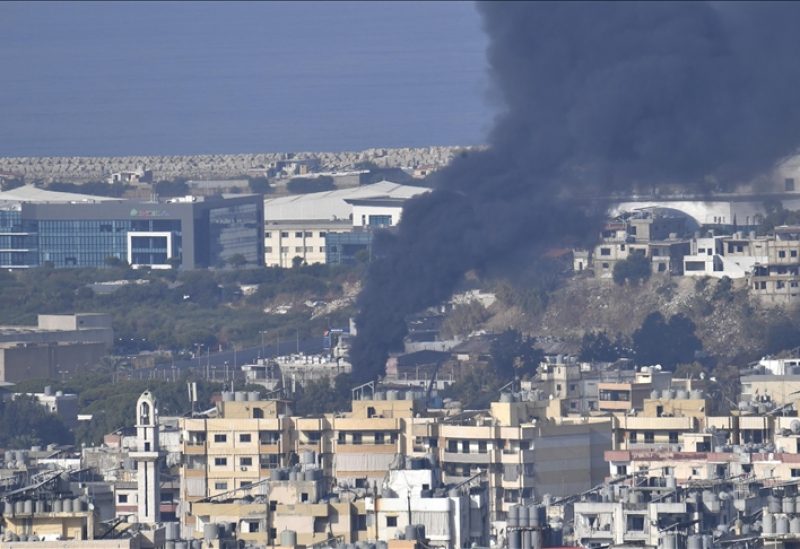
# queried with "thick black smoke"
point(596, 97)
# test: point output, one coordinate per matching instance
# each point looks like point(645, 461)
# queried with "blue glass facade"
point(342, 248)
point(18, 240)
point(189, 234)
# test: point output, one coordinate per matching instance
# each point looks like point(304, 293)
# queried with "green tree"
point(171, 188)
point(475, 387)
point(634, 270)
point(668, 343)
point(513, 354)
point(237, 261)
point(259, 185)
point(597, 346)
point(24, 422)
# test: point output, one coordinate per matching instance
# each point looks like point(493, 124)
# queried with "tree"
point(514, 354)
point(475, 388)
point(668, 343)
point(597, 346)
point(113, 261)
point(260, 185)
point(297, 262)
point(634, 270)
point(170, 188)
point(781, 335)
point(237, 261)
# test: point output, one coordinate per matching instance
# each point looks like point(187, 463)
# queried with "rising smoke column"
point(596, 97)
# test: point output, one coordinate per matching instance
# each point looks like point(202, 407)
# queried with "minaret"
point(147, 459)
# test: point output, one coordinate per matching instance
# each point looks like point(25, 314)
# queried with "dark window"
point(391, 522)
point(244, 437)
point(220, 438)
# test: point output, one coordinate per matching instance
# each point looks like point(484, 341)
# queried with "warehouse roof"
point(333, 204)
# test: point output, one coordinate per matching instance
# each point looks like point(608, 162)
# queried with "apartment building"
point(521, 457)
point(777, 281)
point(651, 233)
point(234, 450)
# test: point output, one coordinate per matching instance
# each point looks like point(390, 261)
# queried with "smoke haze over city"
point(595, 97)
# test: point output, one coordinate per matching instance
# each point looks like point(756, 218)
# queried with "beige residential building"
point(522, 457)
point(235, 450)
point(285, 240)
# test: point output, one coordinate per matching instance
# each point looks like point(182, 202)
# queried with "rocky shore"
point(211, 166)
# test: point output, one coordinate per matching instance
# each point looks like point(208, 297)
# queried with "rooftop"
point(29, 193)
point(333, 204)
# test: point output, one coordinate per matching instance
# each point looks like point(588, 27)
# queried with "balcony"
point(516, 456)
point(194, 448)
point(269, 448)
point(474, 457)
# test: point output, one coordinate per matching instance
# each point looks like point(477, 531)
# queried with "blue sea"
point(156, 78)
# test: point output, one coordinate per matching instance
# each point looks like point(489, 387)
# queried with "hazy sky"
point(181, 78)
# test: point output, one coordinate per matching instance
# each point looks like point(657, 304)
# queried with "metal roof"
point(331, 205)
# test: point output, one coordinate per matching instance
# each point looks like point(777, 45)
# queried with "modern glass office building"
point(187, 233)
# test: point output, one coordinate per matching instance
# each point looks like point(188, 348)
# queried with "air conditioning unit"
point(244, 468)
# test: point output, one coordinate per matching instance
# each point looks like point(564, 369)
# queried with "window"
point(572, 387)
point(356, 438)
point(309, 234)
point(673, 437)
point(322, 249)
point(322, 234)
point(378, 438)
point(793, 253)
point(284, 249)
point(298, 249)
point(632, 437)
point(795, 473)
point(781, 253)
point(122, 498)
point(649, 437)
point(246, 461)
point(481, 446)
point(605, 251)
point(220, 486)
point(267, 235)
point(298, 234)
point(303, 497)
point(605, 266)
point(391, 522)
point(622, 469)
point(220, 438)
point(284, 234)
point(220, 462)
point(635, 523)
point(245, 437)
point(268, 249)
point(361, 522)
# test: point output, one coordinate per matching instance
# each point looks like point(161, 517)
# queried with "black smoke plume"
point(596, 98)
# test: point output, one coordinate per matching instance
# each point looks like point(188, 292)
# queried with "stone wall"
point(81, 169)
